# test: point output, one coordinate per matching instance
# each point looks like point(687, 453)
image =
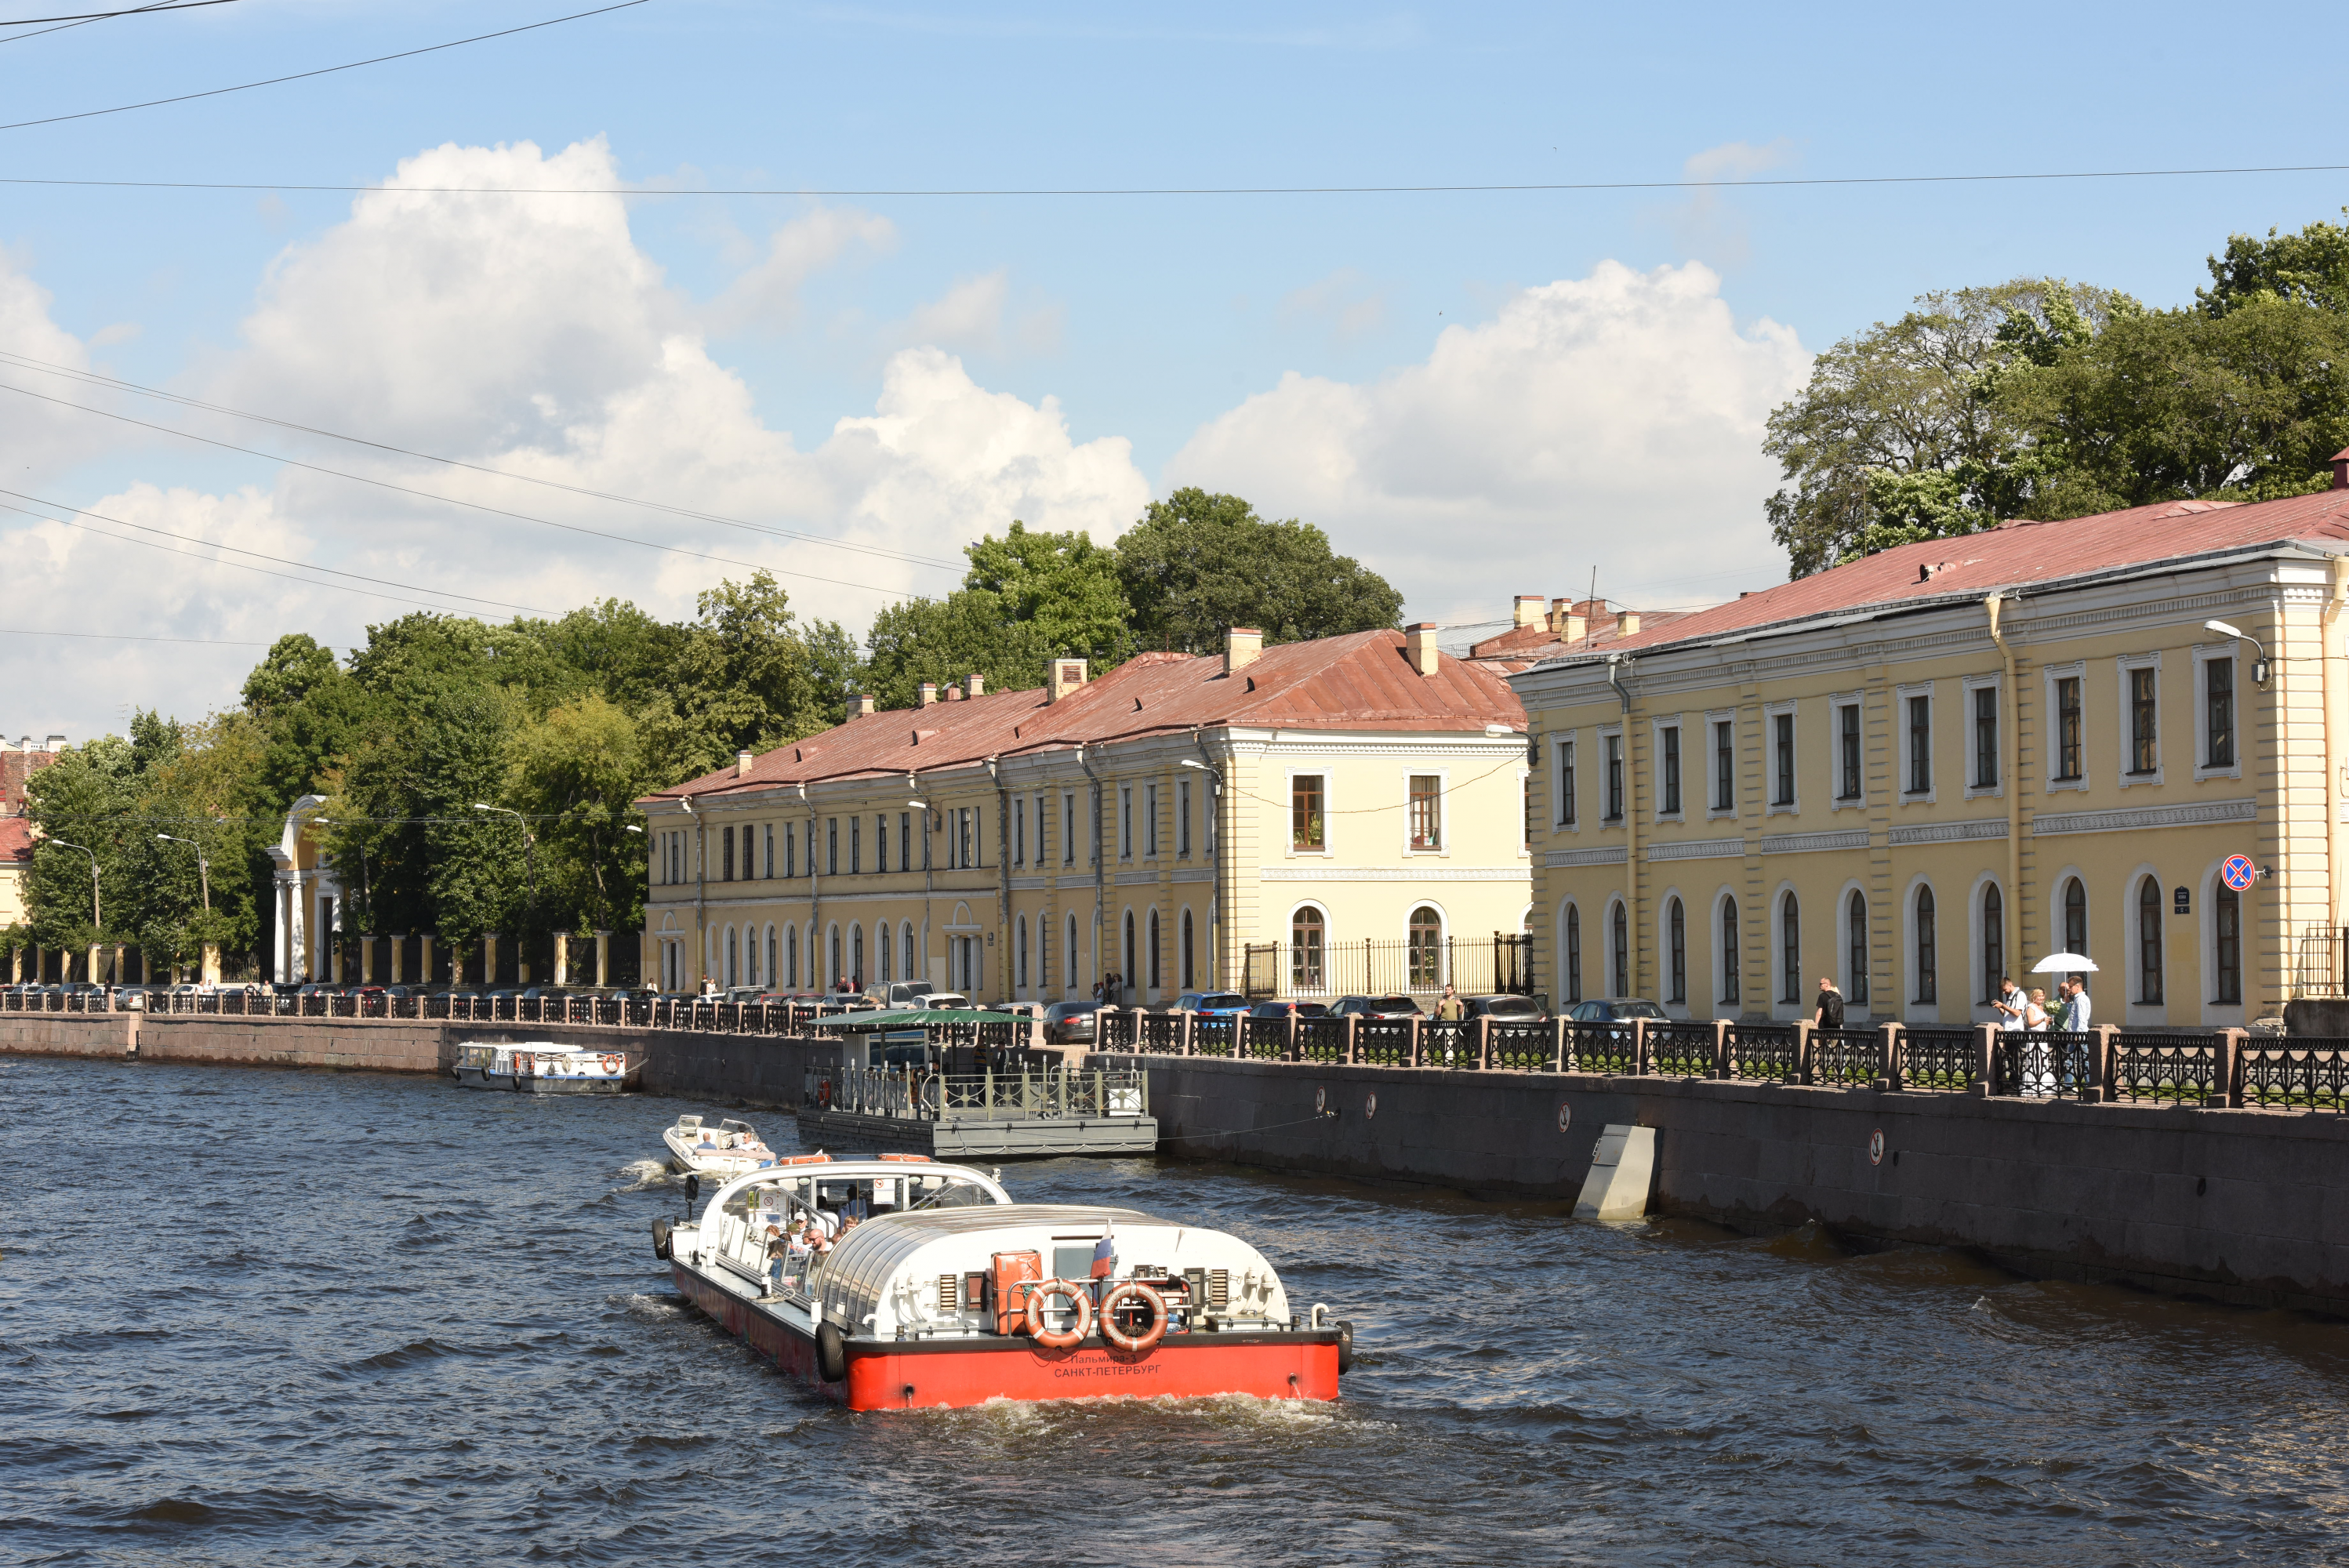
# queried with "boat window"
point(1074, 1263)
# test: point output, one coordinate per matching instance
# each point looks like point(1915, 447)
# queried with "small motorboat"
point(899, 1283)
point(543, 1067)
point(725, 1150)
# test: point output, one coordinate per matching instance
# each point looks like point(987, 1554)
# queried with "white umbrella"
point(2065, 963)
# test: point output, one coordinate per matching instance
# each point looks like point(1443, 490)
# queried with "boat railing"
point(1021, 1094)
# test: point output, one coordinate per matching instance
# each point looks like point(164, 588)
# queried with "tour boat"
point(938, 1290)
point(541, 1067)
point(725, 1151)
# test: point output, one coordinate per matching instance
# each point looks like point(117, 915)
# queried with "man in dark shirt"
point(1829, 1014)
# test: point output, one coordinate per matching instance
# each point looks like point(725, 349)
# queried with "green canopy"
point(914, 1017)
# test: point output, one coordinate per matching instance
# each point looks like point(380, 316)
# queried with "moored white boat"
point(947, 1293)
point(543, 1067)
point(728, 1150)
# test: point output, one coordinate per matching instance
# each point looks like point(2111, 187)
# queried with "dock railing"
point(1029, 1093)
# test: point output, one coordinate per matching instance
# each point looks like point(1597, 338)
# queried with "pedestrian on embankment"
point(1828, 1013)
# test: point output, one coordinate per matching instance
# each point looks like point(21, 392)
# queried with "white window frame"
point(1837, 800)
point(2225, 1015)
point(2051, 742)
point(1720, 955)
point(1774, 970)
point(1842, 966)
point(1656, 728)
point(1150, 822)
point(1771, 714)
point(1924, 1012)
point(1670, 895)
point(1069, 827)
point(1329, 849)
point(2208, 653)
point(1182, 818)
point(2123, 666)
point(1125, 822)
point(1977, 983)
point(1997, 686)
point(1604, 733)
point(1728, 808)
point(1443, 777)
point(1562, 796)
point(1932, 793)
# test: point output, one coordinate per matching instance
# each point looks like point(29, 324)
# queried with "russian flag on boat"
point(1105, 1255)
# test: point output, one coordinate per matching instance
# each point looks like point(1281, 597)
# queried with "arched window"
point(1928, 970)
point(856, 957)
point(1305, 934)
point(884, 950)
point(1069, 956)
point(1153, 949)
point(1855, 917)
point(1023, 951)
point(2148, 939)
point(1125, 954)
point(731, 970)
point(1676, 935)
point(1190, 970)
point(2226, 932)
point(2076, 917)
point(907, 947)
point(792, 957)
point(1993, 938)
point(1620, 940)
point(1790, 949)
point(772, 971)
point(1423, 946)
point(1573, 953)
point(1733, 958)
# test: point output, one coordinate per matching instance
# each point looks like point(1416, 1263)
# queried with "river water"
point(258, 1317)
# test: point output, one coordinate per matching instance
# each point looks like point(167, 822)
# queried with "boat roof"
point(865, 1259)
point(909, 1017)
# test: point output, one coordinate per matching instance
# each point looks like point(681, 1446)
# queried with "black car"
point(1614, 1012)
point(1285, 1009)
point(1070, 1023)
point(1375, 1007)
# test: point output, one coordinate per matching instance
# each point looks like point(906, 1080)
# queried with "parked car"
point(895, 994)
point(1071, 1022)
point(1212, 1004)
point(1613, 1012)
point(1285, 1009)
point(1512, 1008)
point(1375, 1007)
point(130, 998)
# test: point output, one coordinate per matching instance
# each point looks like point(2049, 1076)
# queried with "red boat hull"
point(908, 1375)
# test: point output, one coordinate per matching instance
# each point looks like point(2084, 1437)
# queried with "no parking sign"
point(2238, 873)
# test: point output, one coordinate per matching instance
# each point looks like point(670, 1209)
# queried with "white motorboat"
point(543, 1067)
point(724, 1151)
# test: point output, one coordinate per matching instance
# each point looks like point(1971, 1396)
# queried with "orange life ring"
point(1072, 1291)
point(611, 1063)
point(1133, 1290)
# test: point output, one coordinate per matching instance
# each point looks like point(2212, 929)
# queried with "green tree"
point(942, 640)
point(1195, 563)
point(746, 677)
point(1062, 585)
point(2309, 268)
point(85, 797)
point(579, 771)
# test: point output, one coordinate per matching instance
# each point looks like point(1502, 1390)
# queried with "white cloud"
point(1350, 304)
point(766, 298)
point(974, 313)
point(1613, 421)
point(1706, 224)
point(39, 440)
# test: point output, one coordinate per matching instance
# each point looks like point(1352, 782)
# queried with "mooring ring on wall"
point(1371, 1104)
point(1321, 1100)
point(1564, 1115)
point(1875, 1147)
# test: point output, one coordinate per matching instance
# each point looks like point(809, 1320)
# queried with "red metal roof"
point(1520, 647)
point(15, 841)
point(1364, 680)
point(2017, 555)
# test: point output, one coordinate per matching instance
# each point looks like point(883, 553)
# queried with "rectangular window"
point(1724, 765)
point(2219, 712)
point(2067, 727)
point(906, 841)
point(1183, 821)
point(855, 845)
point(975, 847)
point(1921, 745)
point(790, 849)
point(1848, 751)
point(1783, 725)
point(880, 841)
point(2144, 754)
point(1305, 808)
point(1427, 811)
point(726, 854)
point(832, 846)
point(1150, 820)
point(1985, 737)
point(1566, 783)
point(1068, 830)
point(1019, 840)
point(1672, 763)
point(1614, 745)
point(1125, 821)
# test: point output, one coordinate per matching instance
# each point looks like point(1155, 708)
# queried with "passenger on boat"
point(778, 1256)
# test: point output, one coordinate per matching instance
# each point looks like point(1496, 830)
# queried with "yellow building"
point(1930, 766)
point(1352, 808)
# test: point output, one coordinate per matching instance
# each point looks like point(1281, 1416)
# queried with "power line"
point(102, 16)
point(93, 379)
point(445, 501)
point(127, 637)
point(282, 561)
point(20, 38)
point(323, 70)
point(1529, 188)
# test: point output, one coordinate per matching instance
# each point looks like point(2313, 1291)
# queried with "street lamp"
point(2258, 665)
point(203, 869)
point(96, 924)
point(530, 843)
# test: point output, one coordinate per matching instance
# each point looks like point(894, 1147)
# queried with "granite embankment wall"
point(754, 1069)
point(2248, 1206)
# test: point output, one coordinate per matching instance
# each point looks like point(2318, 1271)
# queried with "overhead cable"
point(102, 16)
point(127, 637)
point(323, 70)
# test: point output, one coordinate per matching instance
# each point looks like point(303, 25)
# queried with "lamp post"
point(203, 868)
point(2259, 663)
point(96, 924)
point(530, 844)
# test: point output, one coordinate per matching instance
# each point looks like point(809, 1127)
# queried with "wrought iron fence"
point(1520, 1047)
point(1161, 1033)
point(1216, 1037)
point(2309, 1075)
point(1845, 1056)
point(2318, 966)
point(2167, 1069)
point(1320, 1039)
point(1681, 1050)
point(1263, 1039)
point(1383, 1042)
point(1936, 1058)
point(1501, 964)
point(2054, 1066)
point(1764, 1053)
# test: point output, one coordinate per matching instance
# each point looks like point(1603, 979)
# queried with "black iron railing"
point(1845, 1056)
point(2309, 1074)
point(1683, 1050)
point(1764, 1053)
point(2167, 1069)
point(2051, 1066)
point(1937, 1058)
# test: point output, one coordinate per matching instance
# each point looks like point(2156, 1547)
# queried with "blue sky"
point(1479, 394)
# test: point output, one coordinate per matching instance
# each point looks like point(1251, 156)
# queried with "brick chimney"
point(863, 704)
point(1418, 638)
point(1528, 609)
point(1572, 625)
point(2341, 469)
point(929, 695)
point(742, 761)
point(1068, 675)
point(1627, 623)
point(1241, 647)
point(974, 686)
